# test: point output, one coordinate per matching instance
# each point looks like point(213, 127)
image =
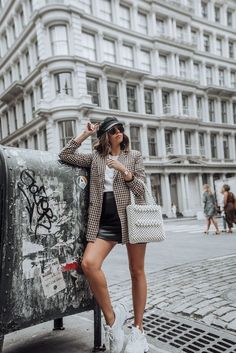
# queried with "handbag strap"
point(147, 195)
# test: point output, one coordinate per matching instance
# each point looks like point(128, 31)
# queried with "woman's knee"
point(89, 265)
point(136, 272)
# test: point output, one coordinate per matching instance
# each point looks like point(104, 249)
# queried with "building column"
point(104, 92)
point(218, 111)
point(123, 96)
point(205, 108)
point(160, 104)
point(148, 182)
point(203, 74)
point(208, 145)
point(232, 146)
point(177, 65)
point(162, 142)
point(99, 47)
point(144, 142)
point(175, 107)
point(197, 148)
point(172, 64)
point(187, 191)
point(167, 196)
point(220, 149)
point(141, 102)
point(178, 141)
point(180, 103)
point(193, 110)
point(200, 184)
point(169, 27)
point(183, 194)
point(183, 141)
point(215, 75)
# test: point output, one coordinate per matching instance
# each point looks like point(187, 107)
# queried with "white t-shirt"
point(109, 172)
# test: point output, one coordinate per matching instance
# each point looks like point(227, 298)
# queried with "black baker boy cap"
point(107, 124)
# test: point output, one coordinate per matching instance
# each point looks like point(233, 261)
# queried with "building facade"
point(166, 69)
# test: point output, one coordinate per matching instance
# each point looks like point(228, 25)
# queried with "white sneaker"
point(137, 342)
point(115, 335)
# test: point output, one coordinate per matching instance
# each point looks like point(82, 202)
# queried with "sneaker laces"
point(134, 334)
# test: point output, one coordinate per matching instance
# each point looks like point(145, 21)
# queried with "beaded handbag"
point(145, 223)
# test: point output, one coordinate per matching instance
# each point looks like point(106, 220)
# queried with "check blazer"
point(132, 160)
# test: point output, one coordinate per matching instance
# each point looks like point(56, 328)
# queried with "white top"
point(109, 172)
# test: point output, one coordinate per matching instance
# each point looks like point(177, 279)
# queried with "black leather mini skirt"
point(110, 227)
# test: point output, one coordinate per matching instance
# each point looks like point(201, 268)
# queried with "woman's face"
point(116, 134)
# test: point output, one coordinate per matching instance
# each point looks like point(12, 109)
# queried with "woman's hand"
point(116, 165)
point(91, 129)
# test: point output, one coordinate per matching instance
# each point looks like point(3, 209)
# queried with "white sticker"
point(83, 182)
point(52, 279)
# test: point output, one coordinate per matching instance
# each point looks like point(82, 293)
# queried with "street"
point(192, 286)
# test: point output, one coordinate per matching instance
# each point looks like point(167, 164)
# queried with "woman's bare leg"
point(93, 258)
point(136, 254)
point(214, 221)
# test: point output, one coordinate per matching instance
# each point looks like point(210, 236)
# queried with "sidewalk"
point(199, 297)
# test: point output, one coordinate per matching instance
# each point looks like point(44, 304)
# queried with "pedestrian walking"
point(210, 209)
point(114, 171)
point(173, 210)
point(229, 207)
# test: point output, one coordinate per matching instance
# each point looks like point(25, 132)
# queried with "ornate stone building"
point(166, 69)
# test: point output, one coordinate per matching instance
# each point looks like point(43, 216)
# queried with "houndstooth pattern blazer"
point(132, 160)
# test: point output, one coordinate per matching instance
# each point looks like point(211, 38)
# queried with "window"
point(166, 102)
point(196, 72)
point(89, 48)
point(145, 60)
point(209, 75)
point(113, 95)
point(4, 42)
point(13, 30)
point(169, 141)
point(180, 33)
point(15, 117)
point(27, 61)
point(202, 144)
point(188, 142)
point(45, 139)
point(226, 146)
point(224, 112)
point(66, 131)
point(219, 46)
point(194, 36)
point(128, 55)
point(211, 109)
point(221, 77)
point(59, 41)
point(233, 79)
point(18, 67)
point(163, 65)
point(213, 146)
point(234, 112)
point(32, 103)
point(35, 138)
point(206, 39)
point(142, 23)
point(160, 23)
point(25, 143)
point(63, 83)
point(229, 18)
point(182, 68)
point(204, 9)
point(185, 103)
point(93, 89)
point(22, 103)
point(124, 16)
point(199, 107)
point(131, 98)
point(105, 10)
point(109, 50)
point(135, 138)
point(152, 141)
point(156, 188)
point(148, 99)
point(86, 5)
point(217, 14)
point(7, 122)
point(231, 49)
point(36, 51)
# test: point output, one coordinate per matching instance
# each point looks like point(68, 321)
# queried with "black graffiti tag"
point(37, 201)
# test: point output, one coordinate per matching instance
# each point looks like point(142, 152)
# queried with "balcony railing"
point(169, 149)
point(166, 109)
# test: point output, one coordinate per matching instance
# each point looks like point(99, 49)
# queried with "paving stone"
point(219, 323)
point(204, 311)
point(232, 325)
point(208, 319)
point(223, 310)
point(229, 316)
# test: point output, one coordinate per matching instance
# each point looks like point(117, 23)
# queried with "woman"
point(114, 171)
point(229, 209)
point(210, 209)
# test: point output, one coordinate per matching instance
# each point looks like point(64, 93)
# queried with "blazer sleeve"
point(69, 156)
point(136, 185)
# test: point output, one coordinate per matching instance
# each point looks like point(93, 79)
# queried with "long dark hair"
point(102, 144)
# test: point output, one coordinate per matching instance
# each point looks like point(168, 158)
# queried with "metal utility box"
point(43, 218)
